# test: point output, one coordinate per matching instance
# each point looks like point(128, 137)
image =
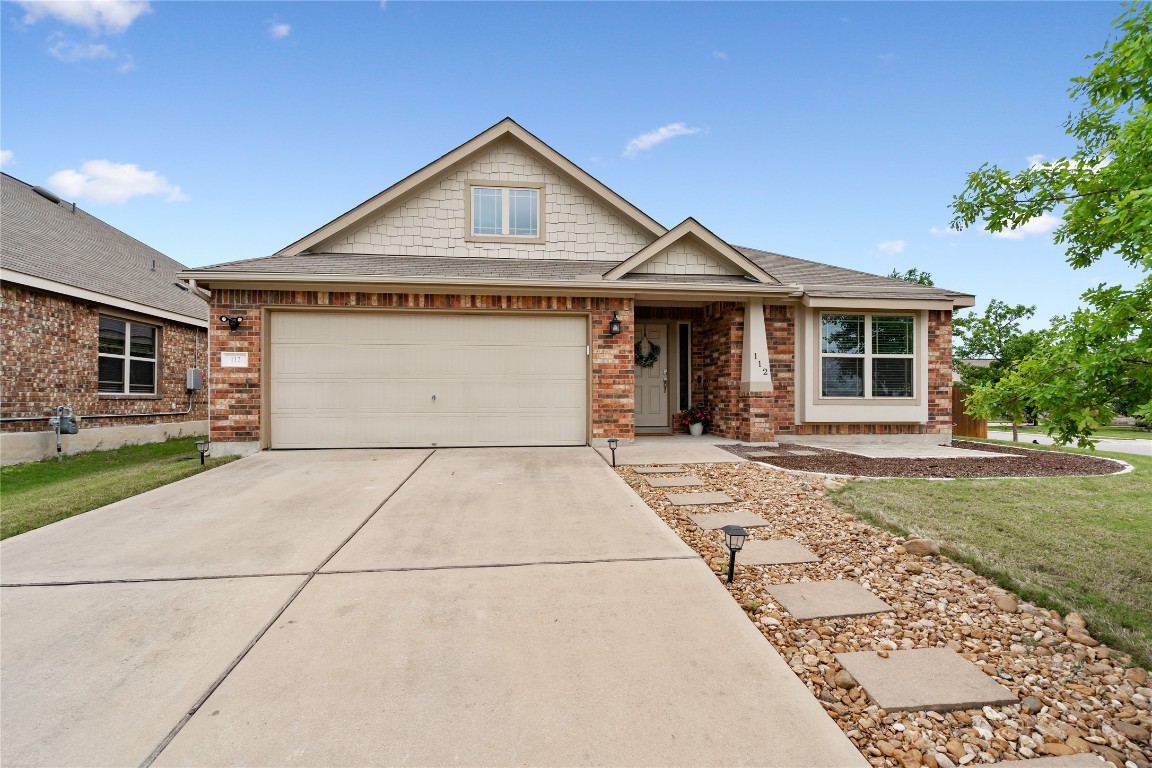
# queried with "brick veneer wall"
point(51, 345)
point(236, 392)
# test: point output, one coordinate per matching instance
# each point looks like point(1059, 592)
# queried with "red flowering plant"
point(697, 414)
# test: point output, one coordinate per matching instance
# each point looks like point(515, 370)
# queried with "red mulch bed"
point(1025, 462)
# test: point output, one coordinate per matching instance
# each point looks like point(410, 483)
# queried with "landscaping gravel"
point(1075, 694)
point(1024, 462)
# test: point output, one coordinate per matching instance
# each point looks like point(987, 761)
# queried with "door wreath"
point(647, 360)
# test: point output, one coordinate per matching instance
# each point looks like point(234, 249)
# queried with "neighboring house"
point(476, 303)
point(95, 320)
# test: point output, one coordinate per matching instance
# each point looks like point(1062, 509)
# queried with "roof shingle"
point(55, 241)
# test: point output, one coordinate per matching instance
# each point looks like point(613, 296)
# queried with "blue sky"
point(837, 132)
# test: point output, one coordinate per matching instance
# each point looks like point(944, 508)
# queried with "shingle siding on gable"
point(683, 258)
point(432, 223)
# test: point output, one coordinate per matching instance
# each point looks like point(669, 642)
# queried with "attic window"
point(499, 212)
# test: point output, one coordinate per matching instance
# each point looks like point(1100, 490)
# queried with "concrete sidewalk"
point(480, 607)
point(1138, 446)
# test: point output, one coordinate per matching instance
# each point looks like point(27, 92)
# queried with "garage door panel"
point(348, 379)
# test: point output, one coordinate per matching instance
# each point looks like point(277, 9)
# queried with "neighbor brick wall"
point(236, 392)
point(51, 345)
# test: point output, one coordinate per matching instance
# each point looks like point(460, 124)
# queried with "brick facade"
point(237, 393)
point(717, 345)
point(51, 345)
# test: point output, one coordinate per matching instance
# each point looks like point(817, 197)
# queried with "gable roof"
point(694, 230)
point(66, 246)
point(505, 129)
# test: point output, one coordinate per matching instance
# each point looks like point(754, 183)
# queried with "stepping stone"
point(672, 482)
point(775, 552)
point(741, 517)
point(826, 599)
point(1082, 760)
point(658, 470)
point(694, 499)
point(924, 678)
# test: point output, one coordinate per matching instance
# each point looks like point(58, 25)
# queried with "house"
point(503, 296)
point(95, 320)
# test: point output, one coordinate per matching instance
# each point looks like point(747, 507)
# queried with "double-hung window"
point(505, 212)
point(127, 357)
point(867, 355)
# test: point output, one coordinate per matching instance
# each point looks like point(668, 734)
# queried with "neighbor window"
point(505, 212)
point(866, 355)
point(127, 357)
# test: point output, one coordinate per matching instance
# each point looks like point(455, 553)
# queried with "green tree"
point(996, 336)
point(1103, 194)
point(913, 275)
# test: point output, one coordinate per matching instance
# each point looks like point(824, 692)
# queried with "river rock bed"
point(1075, 694)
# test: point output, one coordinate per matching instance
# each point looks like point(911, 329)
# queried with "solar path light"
point(734, 537)
point(202, 446)
point(612, 443)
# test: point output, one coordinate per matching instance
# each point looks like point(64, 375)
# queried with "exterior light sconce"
point(734, 537)
point(233, 322)
point(614, 325)
point(202, 446)
point(612, 443)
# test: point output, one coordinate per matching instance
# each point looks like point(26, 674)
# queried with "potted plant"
point(695, 418)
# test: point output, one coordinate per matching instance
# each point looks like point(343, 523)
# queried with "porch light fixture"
point(612, 443)
point(734, 537)
point(233, 322)
point(202, 446)
point(614, 325)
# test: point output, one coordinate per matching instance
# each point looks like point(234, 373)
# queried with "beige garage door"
point(386, 379)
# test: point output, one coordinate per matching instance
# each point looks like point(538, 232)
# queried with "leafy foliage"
point(913, 275)
point(1101, 354)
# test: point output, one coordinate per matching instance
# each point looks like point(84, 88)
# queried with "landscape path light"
point(202, 446)
point(734, 537)
point(612, 443)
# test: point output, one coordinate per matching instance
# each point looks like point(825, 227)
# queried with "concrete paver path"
point(478, 607)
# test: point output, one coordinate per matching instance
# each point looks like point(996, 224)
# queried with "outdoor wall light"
point(233, 322)
point(614, 325)
point(734, 537)
point(612, 443)
point(202, 446)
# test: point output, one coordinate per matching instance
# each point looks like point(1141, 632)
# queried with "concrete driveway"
point(405, 607)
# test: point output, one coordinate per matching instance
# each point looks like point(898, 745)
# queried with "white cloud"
point(892, 246)
point(6, 156)
point(70, 52)
point(103, 181)
point(659, 136)
point(942, 232)
point(279, 30)
point(720, 55)
point(1040, 225)
point(110, 16)
point(1035, 161)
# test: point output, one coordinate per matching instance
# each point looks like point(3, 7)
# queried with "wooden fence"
point(964, 425)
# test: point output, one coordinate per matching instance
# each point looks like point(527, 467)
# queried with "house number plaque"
point(233, 359)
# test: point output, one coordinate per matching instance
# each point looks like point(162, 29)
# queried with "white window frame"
point(127, 357)
point(867, 355)
point(506, 187)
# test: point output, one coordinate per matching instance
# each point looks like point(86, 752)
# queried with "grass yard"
point(33, 495)
point(1122, 433)
point(1073, 544)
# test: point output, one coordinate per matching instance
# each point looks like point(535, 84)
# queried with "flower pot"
point(696, 429)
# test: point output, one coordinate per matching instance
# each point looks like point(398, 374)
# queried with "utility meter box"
point(195, 379)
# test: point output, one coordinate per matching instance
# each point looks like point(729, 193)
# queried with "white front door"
point(652, 381)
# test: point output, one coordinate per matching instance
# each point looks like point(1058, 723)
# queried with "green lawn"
point(42, 492)
point(1072, 543)
point(1124, 433)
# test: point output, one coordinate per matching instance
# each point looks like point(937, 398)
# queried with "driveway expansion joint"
point(172, 734)
point(591, 561)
